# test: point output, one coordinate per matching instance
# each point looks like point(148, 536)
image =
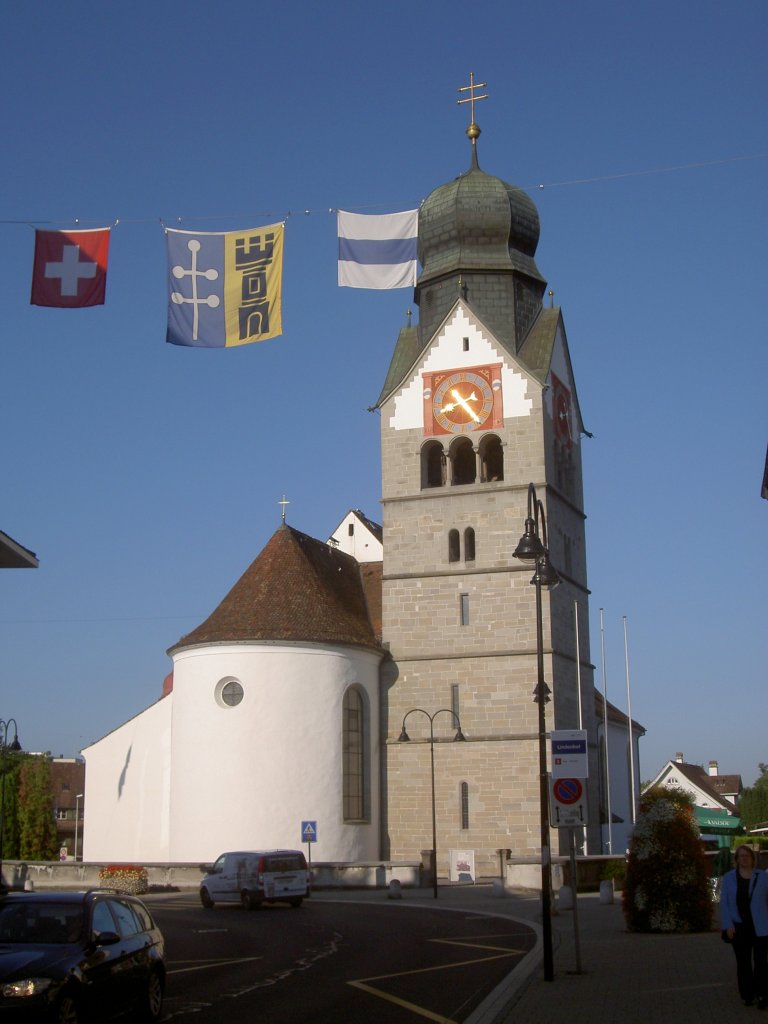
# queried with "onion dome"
point(477, 222)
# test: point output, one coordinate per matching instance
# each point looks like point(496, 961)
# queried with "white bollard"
point(395, 890)
point(565, 898)
point(29, 885)
point(606, 891)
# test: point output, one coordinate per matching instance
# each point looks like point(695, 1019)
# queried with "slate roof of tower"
point(297, 590)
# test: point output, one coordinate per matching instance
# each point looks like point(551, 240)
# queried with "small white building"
point(714, 796)
point(620, 790)
point(359, 536)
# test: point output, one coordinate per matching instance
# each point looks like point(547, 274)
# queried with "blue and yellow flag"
point(225, 288)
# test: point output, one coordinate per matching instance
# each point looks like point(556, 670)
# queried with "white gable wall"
point(360, 543)
point(447, 352)
point(127, 790)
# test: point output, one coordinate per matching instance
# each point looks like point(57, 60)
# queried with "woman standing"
point(744, 920)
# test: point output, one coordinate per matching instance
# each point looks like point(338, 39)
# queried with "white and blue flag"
point(379, 250)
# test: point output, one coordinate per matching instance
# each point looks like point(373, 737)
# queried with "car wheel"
point(152, 1003)
point(296, 901)
point(248, 900)
point(205, 899)
point(68, 1010)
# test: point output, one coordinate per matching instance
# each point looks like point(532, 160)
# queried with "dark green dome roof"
point(477, 222)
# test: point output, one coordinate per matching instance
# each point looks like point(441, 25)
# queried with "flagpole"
point(578, 684)
point(631, 737)
point(578, 661)
point(609, 813)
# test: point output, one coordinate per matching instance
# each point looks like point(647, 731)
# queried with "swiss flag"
point(70, 268)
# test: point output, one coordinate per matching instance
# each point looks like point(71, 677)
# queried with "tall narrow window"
point(432, 465)
point(464, 609)
point(353, 755)
point(465, 805)
point(469, 544)
point(492, 459)
point(463, 462)
point(453, 545)
point(455, 702)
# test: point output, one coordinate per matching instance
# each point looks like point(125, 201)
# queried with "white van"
point(253, 877)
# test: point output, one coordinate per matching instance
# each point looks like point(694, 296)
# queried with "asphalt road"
point(329, 962)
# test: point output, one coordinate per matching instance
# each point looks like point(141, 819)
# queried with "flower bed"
point(128, 878)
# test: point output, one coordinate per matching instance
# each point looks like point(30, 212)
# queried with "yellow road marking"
point(420, 1010)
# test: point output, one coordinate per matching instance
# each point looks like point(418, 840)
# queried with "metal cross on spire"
point(283, 502)
point(474, 130)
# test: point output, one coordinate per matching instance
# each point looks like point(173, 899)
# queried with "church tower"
point(479, 401)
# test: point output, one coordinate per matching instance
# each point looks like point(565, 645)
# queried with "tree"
point(753, 802)
point(667, 885)
point(9, 781)
point(37, 829)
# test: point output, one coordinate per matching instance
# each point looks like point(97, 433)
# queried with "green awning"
point(711, 820)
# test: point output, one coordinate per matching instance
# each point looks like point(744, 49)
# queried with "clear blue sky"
point(146, 477)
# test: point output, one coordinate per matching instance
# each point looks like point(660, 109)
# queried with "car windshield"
point(40, 923)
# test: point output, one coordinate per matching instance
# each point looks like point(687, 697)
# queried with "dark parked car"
point(69, 957)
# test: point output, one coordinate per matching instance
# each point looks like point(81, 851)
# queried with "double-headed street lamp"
point(405, 738)
point(15, 746)
point(533, 548)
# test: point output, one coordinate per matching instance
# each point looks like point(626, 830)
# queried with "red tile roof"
point(297, 589)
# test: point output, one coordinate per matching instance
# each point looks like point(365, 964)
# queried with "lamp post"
point(5, 745)
point(78, 798)
point(405, 738)
point(533, 548)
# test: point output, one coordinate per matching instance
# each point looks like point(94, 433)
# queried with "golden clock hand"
point(463, 403)
point(452, 405)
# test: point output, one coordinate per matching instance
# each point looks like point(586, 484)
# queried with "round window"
point(229, 693)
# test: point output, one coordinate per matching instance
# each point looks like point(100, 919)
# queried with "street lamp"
point(405, 738)
point(14, 745)
point(533, 548)
point(78, 798)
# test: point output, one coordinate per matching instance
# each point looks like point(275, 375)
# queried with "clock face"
point(462, 402)
point(561, 412)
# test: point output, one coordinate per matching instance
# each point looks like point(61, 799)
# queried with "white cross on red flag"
point(70, 268)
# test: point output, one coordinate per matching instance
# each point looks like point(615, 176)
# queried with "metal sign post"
point(568, 807)
point(309, 836)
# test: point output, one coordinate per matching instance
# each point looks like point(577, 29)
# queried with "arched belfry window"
point(469, 544)
point(432, 465)
point(454, 542)
point(463, 464)
point(491, 458)
point(354, 755)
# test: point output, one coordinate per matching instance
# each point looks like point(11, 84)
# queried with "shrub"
point(615, 871)
point(667, 885)
point(128, 878)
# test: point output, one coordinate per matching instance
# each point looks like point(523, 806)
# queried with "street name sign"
point(569, 754)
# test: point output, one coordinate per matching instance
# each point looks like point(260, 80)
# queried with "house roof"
point(614, 715)
point(374, 528)
point(725, 784)
point(297, 590)
point(697, 777)
point(14, 556)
